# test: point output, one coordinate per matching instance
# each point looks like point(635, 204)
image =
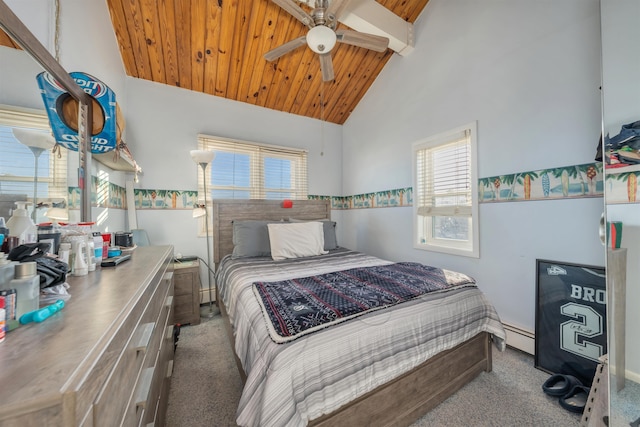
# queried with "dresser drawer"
point(143, 402)
point(165, 354)
point(184, 279)
point(117, 391)
point(111, 402)
point(124, 357)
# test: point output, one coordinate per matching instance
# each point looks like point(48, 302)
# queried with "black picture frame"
point(571, 320)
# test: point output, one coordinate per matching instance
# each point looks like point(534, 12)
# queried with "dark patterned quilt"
point(300, 306)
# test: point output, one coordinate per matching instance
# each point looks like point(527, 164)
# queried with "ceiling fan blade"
point(335, 9)
point(326, 66)
point(368, 41)
point(277, 52)
point(296, 11)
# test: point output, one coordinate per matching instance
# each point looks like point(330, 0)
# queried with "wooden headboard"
point(225, 211)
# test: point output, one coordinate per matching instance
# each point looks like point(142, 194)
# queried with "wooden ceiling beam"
point(132, 15)
point(240, 34)
point(166, 16)
point(270, 70)
point(198, 28)
point(123, 36)
point(225, 45)
point(153, 38)
point(251, 60)
point(264, 72)
point(182, 24)
point(213, 23)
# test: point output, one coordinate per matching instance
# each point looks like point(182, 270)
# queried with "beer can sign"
point(62, 111)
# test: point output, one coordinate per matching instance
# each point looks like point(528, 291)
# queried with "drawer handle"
point(142, 393)
point(170, 368)
point(169, 332)
point(168, 276)
point(169, 302)
point(144, 337)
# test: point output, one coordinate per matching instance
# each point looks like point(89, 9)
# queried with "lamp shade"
point(199, 212)
point(321, 39)
point(34, 138)
point(58, 214)
point(202, 156)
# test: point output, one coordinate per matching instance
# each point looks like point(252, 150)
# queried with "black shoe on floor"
point(559, 384)
point(576, 399)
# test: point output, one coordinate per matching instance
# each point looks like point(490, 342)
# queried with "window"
point(17, 161)
point(445, 183)
point(244, 170)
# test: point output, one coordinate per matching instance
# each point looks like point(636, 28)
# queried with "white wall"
point(529, 73)
point(621, 105)
point(167, 122)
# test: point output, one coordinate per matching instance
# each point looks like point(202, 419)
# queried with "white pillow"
point(296, 240)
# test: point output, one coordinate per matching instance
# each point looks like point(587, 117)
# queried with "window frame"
point(257, 152)
point(470, 247)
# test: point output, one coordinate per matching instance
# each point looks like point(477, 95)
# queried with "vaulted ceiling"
point(217, 47)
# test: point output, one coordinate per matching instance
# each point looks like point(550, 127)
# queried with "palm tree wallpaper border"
point(566, 182)
point(622, 186)
point(586, 180)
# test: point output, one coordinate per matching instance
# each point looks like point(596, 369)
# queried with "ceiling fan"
point(322, 35)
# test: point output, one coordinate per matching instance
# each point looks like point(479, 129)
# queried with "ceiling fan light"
point(321, 39)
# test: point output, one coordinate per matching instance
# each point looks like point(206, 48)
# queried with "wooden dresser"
point(105, 359)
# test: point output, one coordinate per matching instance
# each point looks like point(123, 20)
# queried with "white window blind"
point(17, 161)
point(445, 189)
point(245, 170)
point(444, 178)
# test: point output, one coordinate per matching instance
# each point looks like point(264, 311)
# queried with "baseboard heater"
point(204, 295)
point(519, 338)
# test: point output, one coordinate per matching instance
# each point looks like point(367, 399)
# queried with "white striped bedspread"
point(293, 383)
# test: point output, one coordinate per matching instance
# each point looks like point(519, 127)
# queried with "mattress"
point(292, 383)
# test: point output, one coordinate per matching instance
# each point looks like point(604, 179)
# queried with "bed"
point(383, 367)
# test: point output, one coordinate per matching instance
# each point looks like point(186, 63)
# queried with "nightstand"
point(186, 276)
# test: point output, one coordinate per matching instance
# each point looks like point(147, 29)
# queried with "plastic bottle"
point(91, 259)
point(80, 267)
point(97, 246)
point(4, 231)
point(64, 252)
point(21, 225)
point(7, 270)
point(106, 242)
point(27, 286)
point(9, 296)
point(3, 323)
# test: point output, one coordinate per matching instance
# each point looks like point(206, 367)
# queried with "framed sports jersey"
point(571, 320)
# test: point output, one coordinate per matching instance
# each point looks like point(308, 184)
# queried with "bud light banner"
point(62, 110)
point(571, 320)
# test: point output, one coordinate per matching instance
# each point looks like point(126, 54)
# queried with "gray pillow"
point(329, 229)
point(251, 238)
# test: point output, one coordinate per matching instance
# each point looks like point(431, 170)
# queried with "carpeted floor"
point(206, 387)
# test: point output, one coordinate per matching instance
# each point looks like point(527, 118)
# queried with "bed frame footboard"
point(405, 399)
point(408, 397)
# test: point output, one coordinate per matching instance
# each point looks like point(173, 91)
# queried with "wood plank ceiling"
point(217, 46)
